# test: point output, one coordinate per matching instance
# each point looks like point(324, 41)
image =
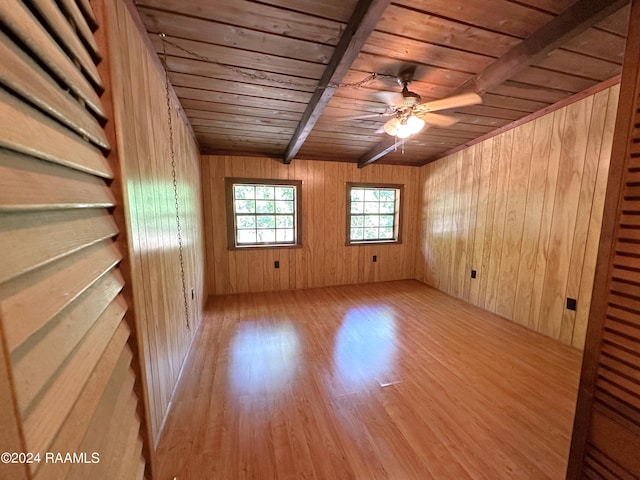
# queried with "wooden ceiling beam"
point(363, 21)
point(575, 20)
point(387, 145)
point(579, 17)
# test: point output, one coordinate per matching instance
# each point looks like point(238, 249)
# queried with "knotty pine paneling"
point(143, 133)
point(66, 333)
point(524, 210)
point(324, 259)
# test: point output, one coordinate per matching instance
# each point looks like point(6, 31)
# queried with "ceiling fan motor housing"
point(410, 98)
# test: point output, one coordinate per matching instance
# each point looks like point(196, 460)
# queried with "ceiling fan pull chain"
point(175, 183)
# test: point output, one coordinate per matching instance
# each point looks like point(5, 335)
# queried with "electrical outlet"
point(473, 274)
point(276, 264)
point(375, 258)
point(572, 304)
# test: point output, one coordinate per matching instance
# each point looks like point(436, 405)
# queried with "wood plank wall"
point(324, 258)
point(524, 210)
point(606, 435)
point(142, 130)
point(67, 382)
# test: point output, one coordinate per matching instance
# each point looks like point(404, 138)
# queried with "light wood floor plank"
point(392, 380)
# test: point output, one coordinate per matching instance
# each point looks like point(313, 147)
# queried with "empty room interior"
point(338, 239)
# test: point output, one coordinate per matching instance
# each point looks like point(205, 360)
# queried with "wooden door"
point(606, 438)
point(67, 382)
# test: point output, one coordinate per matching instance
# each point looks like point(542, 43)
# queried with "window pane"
point(266, 236)
point(357, 207)
point(246, 236)
point(357, 195)
point(387, 207)
point(387, 195)
point(373, 214)
point(371, 207)
point(284, 235)
point(266, 222)
point(245, 206)
point(284, 207)
point(386, 232)
point(370, 233)
point(386, 220)
point(284, 221)
point(284, 193)
point(371, 221)
point(264, 193)
point(246, 221)
point(372, 195)
point(244, 191)
point(357, 221)
point(264, 206)
point(264, 214)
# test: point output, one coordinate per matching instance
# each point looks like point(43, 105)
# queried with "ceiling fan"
point(409, 114)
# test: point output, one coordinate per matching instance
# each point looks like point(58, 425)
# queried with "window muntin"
point(373, 213)
point(263, 212)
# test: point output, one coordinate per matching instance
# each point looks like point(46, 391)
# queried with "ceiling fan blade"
point(438, 120)
point(456, 101)
point(393, 99)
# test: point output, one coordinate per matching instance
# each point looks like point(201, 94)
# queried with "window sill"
point(264, 247)
point(372, 242)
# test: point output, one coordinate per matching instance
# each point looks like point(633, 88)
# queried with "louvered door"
point(66, 383)
point(606, 440)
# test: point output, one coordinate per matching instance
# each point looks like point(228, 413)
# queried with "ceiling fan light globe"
point(391, 127)
point(415, 124)
point(404, 130)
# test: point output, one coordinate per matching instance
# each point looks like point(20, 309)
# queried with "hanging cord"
point(398, 141)
point(262, 76)
point(175, 184)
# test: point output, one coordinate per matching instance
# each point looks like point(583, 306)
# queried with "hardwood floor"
point(389, 380)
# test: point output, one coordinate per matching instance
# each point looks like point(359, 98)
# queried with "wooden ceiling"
point(248, 72)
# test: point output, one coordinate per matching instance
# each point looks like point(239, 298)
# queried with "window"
point(263, 213)
point(373, 213)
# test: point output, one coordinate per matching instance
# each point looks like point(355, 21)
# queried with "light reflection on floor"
point(266, 358)
point(365, 348)
point(263, 358)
